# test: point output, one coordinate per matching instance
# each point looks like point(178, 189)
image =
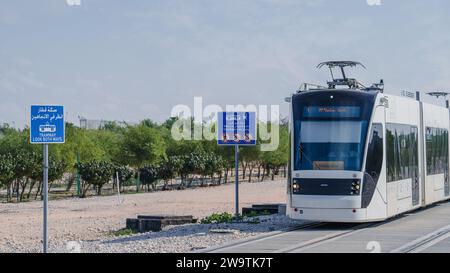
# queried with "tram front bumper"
point(328, 214)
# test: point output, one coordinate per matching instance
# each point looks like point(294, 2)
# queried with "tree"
point(273, 160)
point(149, 123)
point(149, 175)
point(227, 154)
point(5, 130)
point(192, 163)
point(108, 142)
point(81, 142)
point(112, 126)
point(142, 145)
point(27, 158)
point(125, 173)
point(214, 164)
point(169, 123)
point(56, 168)
point(95, 173)
point(6, 171)
point(183, 147)
point(249, 157)
point(168, 169)
point(6, 168)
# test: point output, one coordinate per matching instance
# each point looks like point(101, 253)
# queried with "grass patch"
point(254, 213)
point(225, 217)
point(122, 232)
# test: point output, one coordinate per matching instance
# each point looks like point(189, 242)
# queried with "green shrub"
point(96, 173)
point(148, 174)
point(217, 218)
point(254, 213)
point(125, 174)
point(122, 232)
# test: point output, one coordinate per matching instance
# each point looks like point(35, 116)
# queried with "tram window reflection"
point(330, 130)
point(436, 150)
point(401, 151)
point(375, 151)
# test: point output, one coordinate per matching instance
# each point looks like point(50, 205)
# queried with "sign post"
point(118, 187)
point(47, 126)
point(236, 179)
point(45, 190)
point(78, 176)
point(236, 129)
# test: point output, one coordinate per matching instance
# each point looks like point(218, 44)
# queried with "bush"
point(122, 232)
point(125, 174)
point(148, 174)
point(217, 218)
point(6, 169)
point(169, 168)
point(56, 169)
point(255, 213)
point(192, 163)
point(96, 173)
point(201, 163)
point(214, 164)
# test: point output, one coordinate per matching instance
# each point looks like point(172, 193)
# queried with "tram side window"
point(437, 150)
point(375, 151)
point(401, 151)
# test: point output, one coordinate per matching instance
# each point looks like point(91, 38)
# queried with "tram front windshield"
point(330, 130)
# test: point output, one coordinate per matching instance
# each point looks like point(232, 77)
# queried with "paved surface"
point(425, 230)
point(441, 247)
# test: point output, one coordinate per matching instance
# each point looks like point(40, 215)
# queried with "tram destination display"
point(332, 111)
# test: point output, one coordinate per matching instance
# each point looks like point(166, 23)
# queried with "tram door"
point(415, 170)
point(416, 188)
point(446, 183)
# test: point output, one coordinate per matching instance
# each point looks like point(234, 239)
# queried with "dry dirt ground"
point(93, 218)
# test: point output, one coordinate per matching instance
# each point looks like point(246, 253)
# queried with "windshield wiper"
point(302, 153)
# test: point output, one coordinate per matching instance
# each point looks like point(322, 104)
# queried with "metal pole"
point(45, 192)
point(118, 186)
point(78, 176)
point(236, 178)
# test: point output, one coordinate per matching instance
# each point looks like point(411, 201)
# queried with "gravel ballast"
point(87, 224)
point(186, 238)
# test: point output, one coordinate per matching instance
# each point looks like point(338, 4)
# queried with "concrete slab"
point(381, 237)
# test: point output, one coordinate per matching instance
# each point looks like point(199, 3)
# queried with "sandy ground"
point(92, 218)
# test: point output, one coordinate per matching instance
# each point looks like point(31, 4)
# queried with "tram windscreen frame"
point(330, 129)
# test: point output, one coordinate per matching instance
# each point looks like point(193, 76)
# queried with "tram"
point(358, 154)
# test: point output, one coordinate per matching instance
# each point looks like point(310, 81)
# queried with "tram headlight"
point(355, 188)
point(296, 186)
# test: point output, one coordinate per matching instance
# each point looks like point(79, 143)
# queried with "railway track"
point(331, 236)
point(425, 241)
point(261, 237)
point(319, 236)
point(324, 239)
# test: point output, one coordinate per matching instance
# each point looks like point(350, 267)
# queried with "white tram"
point(360, 155)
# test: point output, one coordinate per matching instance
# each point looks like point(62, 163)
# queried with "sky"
point(132, 60)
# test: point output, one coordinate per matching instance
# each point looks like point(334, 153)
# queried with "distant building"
point(86, 123)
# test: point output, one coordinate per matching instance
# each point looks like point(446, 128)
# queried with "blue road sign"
point(47, 124)
point(236, 128)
